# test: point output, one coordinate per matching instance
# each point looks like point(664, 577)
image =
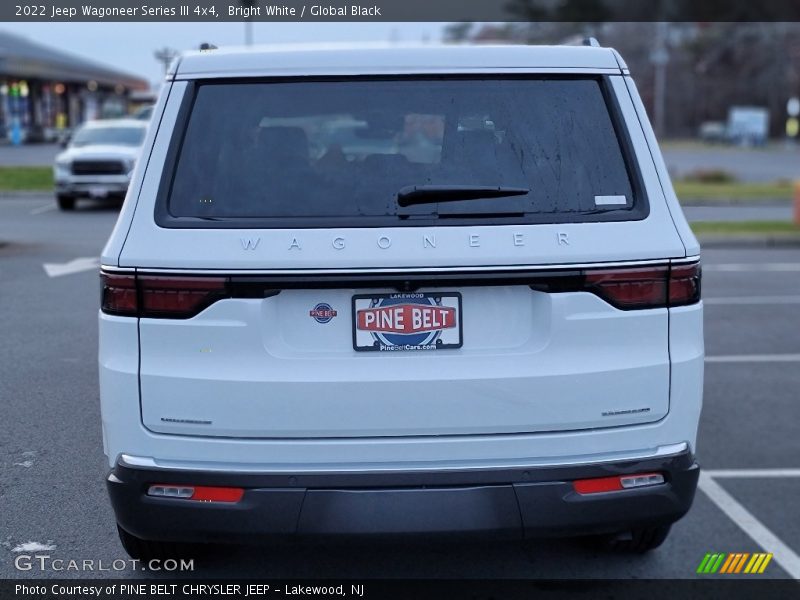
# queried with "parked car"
point(478, 313)
point(144, 113)
point(97, 161)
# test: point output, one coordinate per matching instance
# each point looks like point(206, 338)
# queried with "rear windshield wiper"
point(431, 194)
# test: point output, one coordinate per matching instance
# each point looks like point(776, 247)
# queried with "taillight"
point(616, 483)
point(630, 288)
point(199, 493)
point(178, 297)
point(157, 296)
point(684, 284)
point(119, 294)
point(653, 287)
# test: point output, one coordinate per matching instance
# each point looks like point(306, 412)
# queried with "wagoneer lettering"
point(441, 299)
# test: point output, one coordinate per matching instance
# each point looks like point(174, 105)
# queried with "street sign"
point(793, 107)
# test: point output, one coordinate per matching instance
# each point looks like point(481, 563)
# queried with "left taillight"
point(157, 296)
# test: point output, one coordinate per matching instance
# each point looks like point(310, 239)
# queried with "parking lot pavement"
point(52, 469)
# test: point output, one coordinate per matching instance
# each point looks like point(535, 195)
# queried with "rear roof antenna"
point(591, 41)
point(205, 46)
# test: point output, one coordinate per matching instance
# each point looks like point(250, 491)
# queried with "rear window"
point(344, 153)
point(123, 136)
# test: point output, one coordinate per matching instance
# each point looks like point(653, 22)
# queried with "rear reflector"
point(616, 483)
point(196, 492)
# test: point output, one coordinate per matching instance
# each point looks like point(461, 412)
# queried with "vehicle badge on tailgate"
point(322, 312)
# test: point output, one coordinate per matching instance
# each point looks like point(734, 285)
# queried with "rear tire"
point(146, 550)
point(65, 202)
point(639, 540)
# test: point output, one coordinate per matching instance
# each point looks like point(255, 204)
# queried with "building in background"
point(44, 90)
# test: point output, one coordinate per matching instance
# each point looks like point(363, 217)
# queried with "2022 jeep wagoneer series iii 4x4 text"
point(443, 290)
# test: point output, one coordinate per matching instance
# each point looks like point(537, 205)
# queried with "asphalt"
point(52, 468)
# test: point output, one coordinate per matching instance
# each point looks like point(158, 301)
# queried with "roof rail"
point(591, 41)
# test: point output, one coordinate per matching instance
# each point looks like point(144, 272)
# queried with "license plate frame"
point(425, 309)
point(97, 191)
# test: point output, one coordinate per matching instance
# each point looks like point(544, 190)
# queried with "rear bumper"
point(94, 186)
point(505, 503)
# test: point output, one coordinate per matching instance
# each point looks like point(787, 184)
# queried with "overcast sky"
point(130, 46)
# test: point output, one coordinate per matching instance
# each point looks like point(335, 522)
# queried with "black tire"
point(638, 540)
point(65, 202)
point(146, 550)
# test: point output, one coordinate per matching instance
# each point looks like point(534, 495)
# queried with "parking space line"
point(758, 532)
point(735, 300)
point(745, 267)
point(748, 473)
point(43, 209)
point(77, 265)
point(754, 358)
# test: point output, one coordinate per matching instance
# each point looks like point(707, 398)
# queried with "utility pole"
point(165, 56)
point(660, 59)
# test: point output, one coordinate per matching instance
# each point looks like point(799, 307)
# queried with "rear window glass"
point(124, 136)
point(317, 153)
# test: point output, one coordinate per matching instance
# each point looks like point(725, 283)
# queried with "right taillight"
point(630, 288)
point(648, 287)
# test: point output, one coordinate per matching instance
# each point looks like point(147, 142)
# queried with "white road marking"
point(33, 547)
point(744, 300)
point(768, 541)
point(43, 209)
point(745, 267)
point(26, 464)
point(74, 266)
point(747, 473)
point(757, 358)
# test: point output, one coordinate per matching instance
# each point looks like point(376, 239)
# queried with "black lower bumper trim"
point(507, 503)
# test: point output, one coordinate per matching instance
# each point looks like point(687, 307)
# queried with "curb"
point(749, 241)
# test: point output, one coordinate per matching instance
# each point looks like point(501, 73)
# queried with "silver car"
point(98, 160)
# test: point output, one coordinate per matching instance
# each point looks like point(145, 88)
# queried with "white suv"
point(98, 161)
point(441, 290)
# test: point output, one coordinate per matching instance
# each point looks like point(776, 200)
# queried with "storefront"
point(44, 91)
